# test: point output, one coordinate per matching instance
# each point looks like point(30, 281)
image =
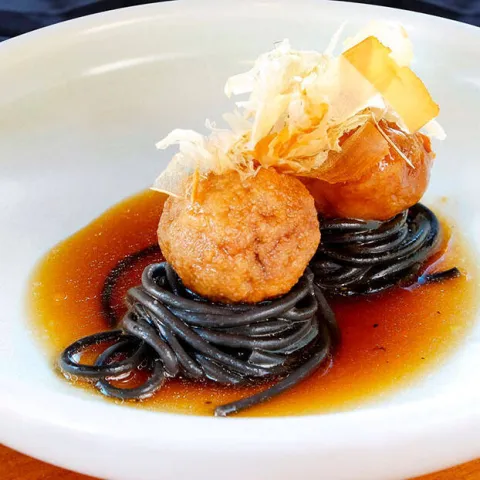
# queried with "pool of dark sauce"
point(388, 339)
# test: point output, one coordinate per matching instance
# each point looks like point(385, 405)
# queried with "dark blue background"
point(20, 16)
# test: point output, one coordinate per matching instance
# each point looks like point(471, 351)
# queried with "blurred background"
point(21, 16)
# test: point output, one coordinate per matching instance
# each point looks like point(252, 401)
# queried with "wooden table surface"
point(15, 466)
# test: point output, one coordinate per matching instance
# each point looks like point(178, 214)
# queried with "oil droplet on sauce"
point(388, 340)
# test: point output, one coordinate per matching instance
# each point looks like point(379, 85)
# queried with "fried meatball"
point(386, 189)
point(241, 240)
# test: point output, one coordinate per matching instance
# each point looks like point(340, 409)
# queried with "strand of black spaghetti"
point(73, 367)
point(112, 279)
point(300, 374)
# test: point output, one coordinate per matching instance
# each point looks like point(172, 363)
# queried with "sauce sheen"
point(388, 340)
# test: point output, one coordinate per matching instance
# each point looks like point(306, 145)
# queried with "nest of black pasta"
point(358, 257)
point(175, 332)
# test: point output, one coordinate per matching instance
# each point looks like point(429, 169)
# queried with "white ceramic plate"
point(81, 106)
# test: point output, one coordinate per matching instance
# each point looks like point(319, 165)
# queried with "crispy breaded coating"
point(241, 240)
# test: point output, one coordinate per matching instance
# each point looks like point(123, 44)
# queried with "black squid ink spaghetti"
point(363, 257)
point(176, 332)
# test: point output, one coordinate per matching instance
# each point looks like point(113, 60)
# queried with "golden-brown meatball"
point(241, 241)
point(386, 188)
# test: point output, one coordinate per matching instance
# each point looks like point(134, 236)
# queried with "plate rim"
point(458, 416)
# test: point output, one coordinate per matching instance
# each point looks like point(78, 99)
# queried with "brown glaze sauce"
point(388, 340)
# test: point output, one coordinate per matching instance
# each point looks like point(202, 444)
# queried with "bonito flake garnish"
point(300, 104)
